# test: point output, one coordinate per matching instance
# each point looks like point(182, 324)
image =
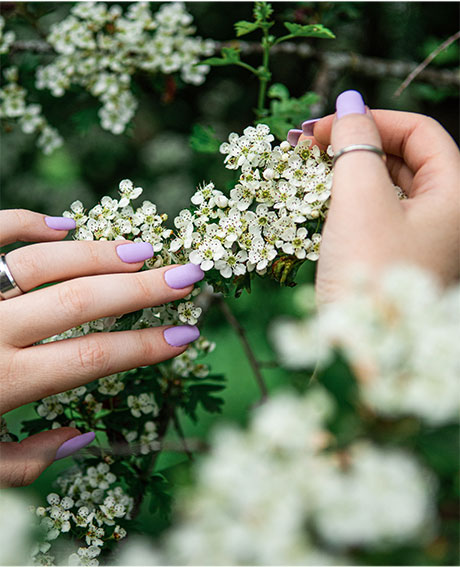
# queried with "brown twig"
point(444, 45)
point(255, 365)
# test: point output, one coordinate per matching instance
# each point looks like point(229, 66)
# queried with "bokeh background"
point(155, 151)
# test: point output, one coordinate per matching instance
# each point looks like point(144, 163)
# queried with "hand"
point(367, 223)
point(98, 279)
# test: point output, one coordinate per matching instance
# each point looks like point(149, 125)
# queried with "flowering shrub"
point(335, 473)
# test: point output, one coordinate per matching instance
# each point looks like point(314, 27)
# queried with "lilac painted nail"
point(293, 136)
point(135, 252)
point(180, 336)
point(60, 223)
point(73, 445)
point(350, 102)
point(182, 276)
point(307, 126)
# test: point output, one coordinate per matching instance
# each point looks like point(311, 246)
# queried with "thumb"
point(361, 180)
point(22, 463)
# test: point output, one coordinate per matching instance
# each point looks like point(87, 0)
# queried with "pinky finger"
point(24, 462)
point(27, 226)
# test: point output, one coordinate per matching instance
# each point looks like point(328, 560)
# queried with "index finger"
point(20, 225)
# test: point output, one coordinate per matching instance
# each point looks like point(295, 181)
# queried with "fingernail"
point(293, 136)
point(180, 336)
point(60, 223)
point(183, 276)
point(135, 252)
point(73, 445)
point(307, 126)
point(349, 102)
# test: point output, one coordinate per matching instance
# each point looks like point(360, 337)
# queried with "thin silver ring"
point(8, 287)
point(358, 148)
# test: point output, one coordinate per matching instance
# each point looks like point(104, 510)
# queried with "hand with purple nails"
point(94, 280)
point(367, 224)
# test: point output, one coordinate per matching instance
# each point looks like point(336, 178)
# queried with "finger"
point(22, 463)
point(27, 226)
point(50, 368)
point(361, 181)
point(295, 136)
point(400, 174)
point(37, 264)
point(55, 309)
point(421, 142)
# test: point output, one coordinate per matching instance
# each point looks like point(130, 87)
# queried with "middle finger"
point(53, 310)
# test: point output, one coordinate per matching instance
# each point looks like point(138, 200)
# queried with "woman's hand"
point(367, 224)
point(98, 279)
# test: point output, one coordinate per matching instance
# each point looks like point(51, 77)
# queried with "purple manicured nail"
point(307, 126)
point(180, 336)
point(183, 276)
point(135, 252)
point(349, 102)
point(60, 223)
point(73, 445)
point(293, 136)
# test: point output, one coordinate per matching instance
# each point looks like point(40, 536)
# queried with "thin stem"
point(283, 38)
point(246, 346)
point(248, 67)
point(263, 78)
point(425, 63)
point(180, 432)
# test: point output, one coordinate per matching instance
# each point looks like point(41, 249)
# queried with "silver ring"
point(8, 287)
point(358, 148)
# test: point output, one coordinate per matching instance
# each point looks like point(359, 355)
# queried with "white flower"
point(207, 253)
point(111, 385)
point(143, 403)
point(189, 313)
point(232, 264)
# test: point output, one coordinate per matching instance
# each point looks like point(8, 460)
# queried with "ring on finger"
point(358, 148)
point(8, 287)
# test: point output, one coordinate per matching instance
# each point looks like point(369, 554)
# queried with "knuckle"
point(26, 263)
point(23, 219)
point(74, 298)
point(92, 356)
point(141, 288)
point(147, 347)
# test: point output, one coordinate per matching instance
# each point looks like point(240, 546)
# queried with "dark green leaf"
point(278, 90)
point(216, 62)
point(231, 53)
point(203, 139)
point(160, 497)
point(202, 394)
point(126, 322)
point(243, 27)
point(315, 30)
point(230, 56)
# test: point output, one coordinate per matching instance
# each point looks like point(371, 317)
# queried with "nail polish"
point(350, 102)
point(182, 335)
point(307, 126)
point(135, 252)
point(293, 136)
point(73, 445)
point(183, 276)
point(60, 223)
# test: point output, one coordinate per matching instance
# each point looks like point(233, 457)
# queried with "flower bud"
point(269, 174)
point(285, 146)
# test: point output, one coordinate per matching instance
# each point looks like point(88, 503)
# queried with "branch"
point(444, 45)
point(246, 346)
point(180, 432)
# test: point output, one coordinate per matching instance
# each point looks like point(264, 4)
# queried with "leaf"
point(160, 497)
point(126, 322)
point(262, 11)
point(315, 30)
point(203, 139)
point(278, 90)
point(230, 56)
point(243, 27)
point(202, 394)
point(33, 426)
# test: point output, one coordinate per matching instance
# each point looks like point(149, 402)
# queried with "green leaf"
point(230, 56)
point(202, 394)
point(126, 322)
point(203, 139)
point(262, 11)
point(278, 90)
point(243, 27)
point(160, 497)
point(315, 30)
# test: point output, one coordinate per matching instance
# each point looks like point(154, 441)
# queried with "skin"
point(367, 225)
point(94, 283)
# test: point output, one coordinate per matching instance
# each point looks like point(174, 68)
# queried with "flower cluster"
point(14, 107)
point(100, 48)
point(400, 332)
point(91, 507)
point(277, 494)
